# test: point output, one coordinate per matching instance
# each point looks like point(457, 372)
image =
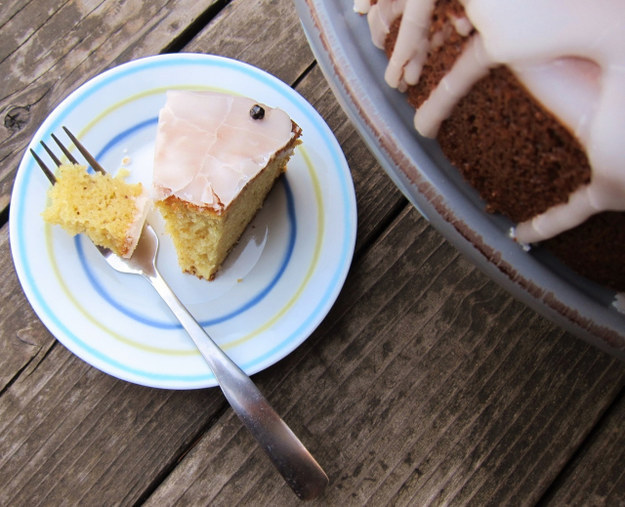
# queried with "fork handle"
point(299, 469)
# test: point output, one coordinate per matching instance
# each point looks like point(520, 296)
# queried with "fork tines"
point(88, 157)
point(43, 166)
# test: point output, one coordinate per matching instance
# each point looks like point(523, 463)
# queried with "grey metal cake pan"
point(340, 40)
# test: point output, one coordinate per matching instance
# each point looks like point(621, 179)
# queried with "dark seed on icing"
point(257, 112)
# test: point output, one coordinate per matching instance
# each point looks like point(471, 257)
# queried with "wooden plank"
point(56, 46)
point(24, 339)
point(264, 33)
point(71, 433)
point(596, 475)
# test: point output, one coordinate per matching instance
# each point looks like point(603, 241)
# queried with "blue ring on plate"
point(171, 324)
point(314, 317)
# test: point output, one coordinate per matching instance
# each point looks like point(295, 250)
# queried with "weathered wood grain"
point(264, 33)
point(596, 476)
point(24, 340)
point(71, 433)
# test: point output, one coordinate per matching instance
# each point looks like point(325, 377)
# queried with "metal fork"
point(299, 469)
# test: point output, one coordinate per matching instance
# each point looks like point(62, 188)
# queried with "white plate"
point(275, 288)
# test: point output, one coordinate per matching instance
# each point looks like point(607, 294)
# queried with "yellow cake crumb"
point(203, 238)
point(106, 208)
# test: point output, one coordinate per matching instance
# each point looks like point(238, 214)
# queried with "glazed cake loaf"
point(106, 208)
point(217, 157)
point(527, 99)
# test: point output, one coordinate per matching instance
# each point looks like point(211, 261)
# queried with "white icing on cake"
point(208, 146)
point(144, 206)
point(362, 6)
point(570, 54)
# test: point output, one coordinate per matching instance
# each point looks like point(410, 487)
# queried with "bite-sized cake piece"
point(217, 156)
point(106, 208)
point(527, 100)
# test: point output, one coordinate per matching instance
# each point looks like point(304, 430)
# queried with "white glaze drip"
point(472, 64)
point(571, 58)
point(380, 17)
point(362, 6)
point(144, 206)
point(412, 46)
point(208, 146)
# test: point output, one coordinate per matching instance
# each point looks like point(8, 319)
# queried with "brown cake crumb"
point(511, 150)
point(602, 257)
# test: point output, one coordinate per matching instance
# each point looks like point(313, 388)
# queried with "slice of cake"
point(110, 211)
point(527, 100)
point(217, 156)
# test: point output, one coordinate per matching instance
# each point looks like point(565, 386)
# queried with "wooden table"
point(426, 383)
